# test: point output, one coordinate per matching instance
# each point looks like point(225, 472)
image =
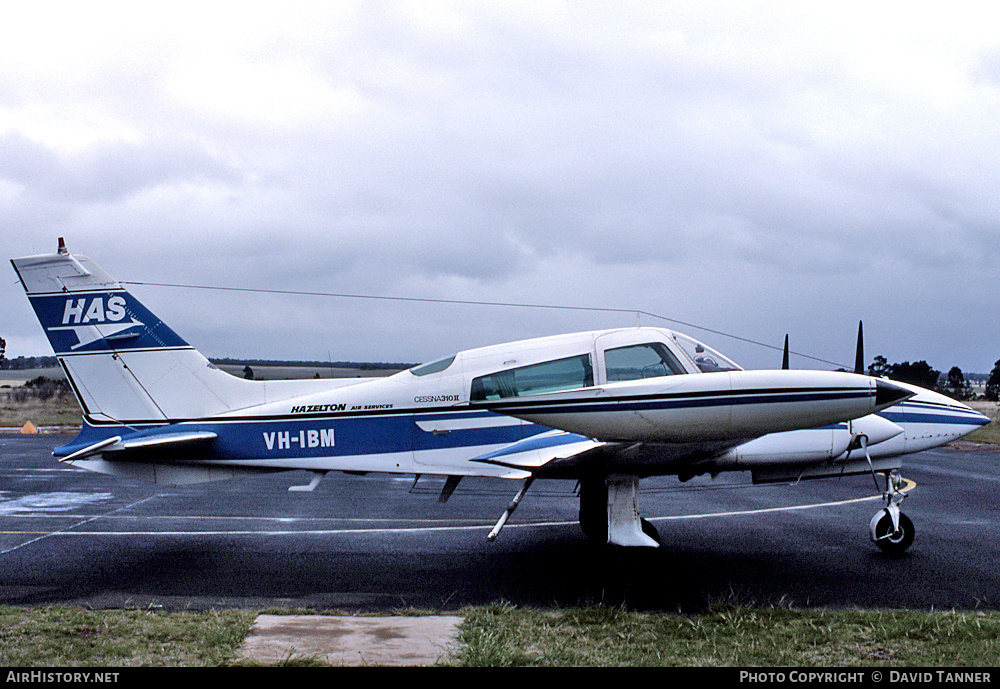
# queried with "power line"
point(471, 302)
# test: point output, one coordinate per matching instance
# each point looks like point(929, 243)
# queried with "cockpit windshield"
point(707, 359)
point(434, 366)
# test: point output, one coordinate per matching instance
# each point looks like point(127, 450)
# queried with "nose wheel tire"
point(888, 539)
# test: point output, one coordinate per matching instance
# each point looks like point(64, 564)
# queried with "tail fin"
point(124, 363)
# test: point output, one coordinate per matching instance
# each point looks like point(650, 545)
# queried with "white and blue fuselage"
point(468, 414)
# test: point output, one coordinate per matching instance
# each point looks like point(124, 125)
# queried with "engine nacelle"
point(829, 443)
point(711, 407)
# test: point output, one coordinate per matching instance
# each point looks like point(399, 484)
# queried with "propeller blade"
point(784, 356)
point(859, 356)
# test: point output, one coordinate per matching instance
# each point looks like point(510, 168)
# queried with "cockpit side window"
point(648, 360)
point(551, 376)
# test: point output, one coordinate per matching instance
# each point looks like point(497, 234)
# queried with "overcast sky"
point(751, 168)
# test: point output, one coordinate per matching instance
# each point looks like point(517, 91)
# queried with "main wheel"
point(893, 542)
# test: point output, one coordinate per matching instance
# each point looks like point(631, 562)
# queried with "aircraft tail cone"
point(887, 394)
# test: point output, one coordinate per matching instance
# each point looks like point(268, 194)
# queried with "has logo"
point(97, 318)
point(79, 311)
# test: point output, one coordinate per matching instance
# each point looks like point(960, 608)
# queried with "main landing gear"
point(609, 512)
point(891, 530)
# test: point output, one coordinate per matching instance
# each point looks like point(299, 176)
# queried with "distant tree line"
point(22, 362)
point(363, 365)
point(27, 362)
point(993, 384)
point(955, 384)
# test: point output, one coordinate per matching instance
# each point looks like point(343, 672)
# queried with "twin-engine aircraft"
point(604, 408)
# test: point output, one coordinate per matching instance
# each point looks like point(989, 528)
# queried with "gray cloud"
point(751, 170)
point(107, 172)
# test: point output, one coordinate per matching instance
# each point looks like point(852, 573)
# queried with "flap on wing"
point(539, 450)
point(147, 442)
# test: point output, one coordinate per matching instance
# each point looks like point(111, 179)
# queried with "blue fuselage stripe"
point(956, 419)
point(673, 402)
point(332, 436)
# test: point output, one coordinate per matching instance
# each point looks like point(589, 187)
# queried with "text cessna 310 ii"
point(603, 408)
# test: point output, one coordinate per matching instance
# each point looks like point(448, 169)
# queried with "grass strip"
point(734, 637)
point(504, 636)
point(66, 636)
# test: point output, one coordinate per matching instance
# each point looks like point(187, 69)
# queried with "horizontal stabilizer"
point(91, 450)
point(146, 442)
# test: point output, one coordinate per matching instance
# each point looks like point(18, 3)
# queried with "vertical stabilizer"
point(124, 363)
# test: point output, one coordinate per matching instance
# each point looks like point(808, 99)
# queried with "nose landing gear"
point(891, 530)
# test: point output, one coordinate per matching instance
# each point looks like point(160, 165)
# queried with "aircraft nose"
point(888, 394)
point(972, 416)
point(983, 420)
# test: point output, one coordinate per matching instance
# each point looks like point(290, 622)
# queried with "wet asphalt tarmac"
point(376, 543)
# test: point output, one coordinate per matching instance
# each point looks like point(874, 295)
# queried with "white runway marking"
point(439, 527)
point(910, 485)
point(64, 532)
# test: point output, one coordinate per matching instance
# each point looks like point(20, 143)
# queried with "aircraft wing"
point(560, 454)
point(531, 454)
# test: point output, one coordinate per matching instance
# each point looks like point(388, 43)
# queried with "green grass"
point(991, 432)
point(51, 412)
point(504, 636)
point(63, 636)
point(736, 637)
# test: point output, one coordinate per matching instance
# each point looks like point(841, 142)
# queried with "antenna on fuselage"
point(784, 355)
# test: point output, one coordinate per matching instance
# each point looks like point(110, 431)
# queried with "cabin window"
point(649, 360)
point(552, 376)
